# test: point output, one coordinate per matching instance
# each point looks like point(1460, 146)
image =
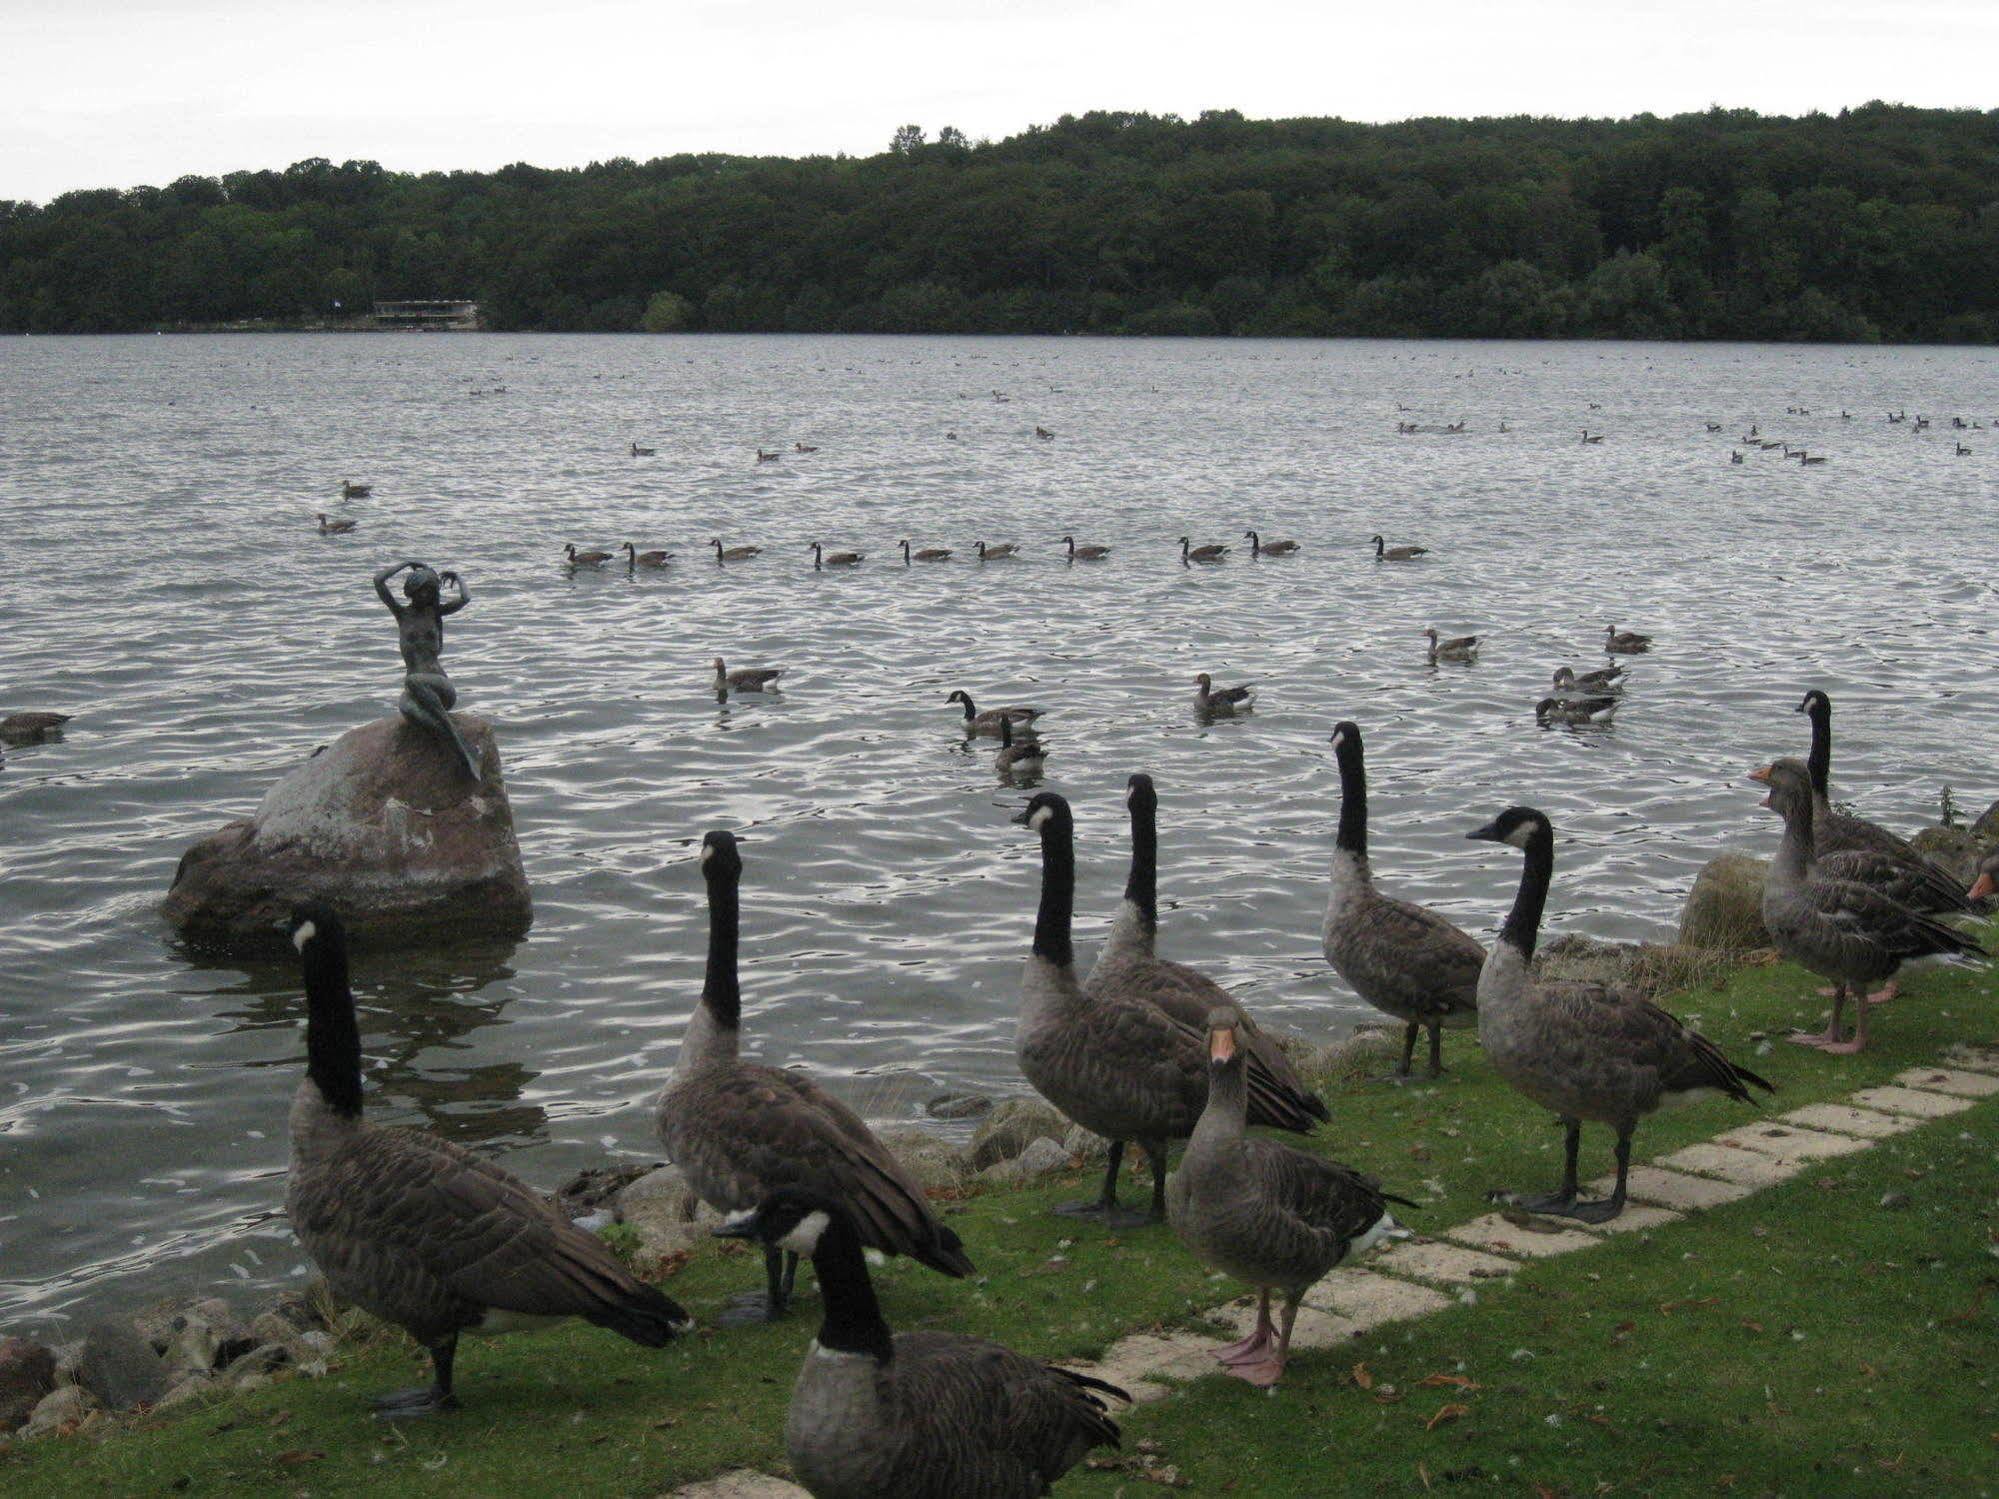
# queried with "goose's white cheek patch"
point(305, 933)
point(1040, 818)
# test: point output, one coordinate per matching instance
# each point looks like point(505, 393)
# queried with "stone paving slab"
point(1637, 1217)
point(741, 1483)
point(1136, 1364)
point(1915, 1101)
point(1312, 1330)
point(1949, 1080)
point(1977, 1058)
point(1443, 1264)
point(1782, 1143)
point(1368, 1300)
point(1746, 1168)
point(1675, 1189)
point(1496, 1235)
point(1844, 1119)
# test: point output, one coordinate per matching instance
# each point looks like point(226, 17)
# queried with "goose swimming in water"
point(924, 554)
point(987, 723)
point(821, 558)
point(746, 679)
point(1258, 547)
point(585, 559)
point(31, 727)
point(352, 491)
point(636, 558)
point(1225, 703)
point(1018, 757)
point(1085, 553)
point(1385, 553)
point(1591, 683)
point(335, 527)
point(1596, 711)
point(1212, 552)
point(732, 554)
point(1458, 648)
point(1625, 642)
point(1005, 552)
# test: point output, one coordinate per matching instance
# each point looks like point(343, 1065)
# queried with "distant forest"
point(1881, 222)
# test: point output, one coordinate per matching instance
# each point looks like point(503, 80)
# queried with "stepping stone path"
point(1425, 1275)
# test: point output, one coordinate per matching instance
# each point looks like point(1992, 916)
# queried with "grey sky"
point(141, 91)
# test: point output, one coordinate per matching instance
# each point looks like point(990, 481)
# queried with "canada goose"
point(1005, 552)
point(1840, 929)
point(1224, 704)
point(1020, 756)
point(915, 1415)
point(1085, 553)
point(1265, 1212)
point(1043, 432)
point(585, 559)
point(804, 447)
point(1385, 553)
point(422, 1232)
point(639, 452)
point(637, 558)
point(732, 554)
point(1808, 459)
point(1597, 711)
point(1618, 642)
point(1605, 679)
point(1735, 456)
point(1591, 439)
point(1118, 1065)
point(334, 527)
point(748, 679)
point(822, 558)
point(1963, 451)
point(924, 554)
point(1258, 547)
point(1769, 447)
point(27, 728)
point(740, 1131)
point(763, 457)
point(987, 724)
point(1714, 426)
point(1129, 967)
point(1212, 552)
point(1459, 648)
point(1585, 1050)
point(1403, 959)
point(353, 491)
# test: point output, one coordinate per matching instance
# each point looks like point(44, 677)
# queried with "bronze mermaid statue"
point(428, 695)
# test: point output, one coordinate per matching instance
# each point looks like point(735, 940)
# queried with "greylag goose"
point(1385, 553)
point(1265, 1212)
point(740, 1131)
point(1585, 1050)
point(1458, 648)
point(1258, 547)
point(585, 559)
point(636, 558)
point(747, 679)
point(1214, 551)
point(1569, 682)
point(1405, 960)
point(821, 558)
point(732, 554)
point(915, 1415)
point(424, 1233)
point(1005, 552)
point(1088, 553)
point(1118, 1065)
point(987, 724)
point(1625, 642)
point(335, 527)
point(352, 491)
point(1223, 704)
point(924, 554)
point(26, 728)
point(1597, 711)
point(1840, 929)
point(1018, 756)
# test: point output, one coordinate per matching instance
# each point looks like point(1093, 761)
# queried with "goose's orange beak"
point(1981, 887)
point(1221, 1045)
point(1761, 775)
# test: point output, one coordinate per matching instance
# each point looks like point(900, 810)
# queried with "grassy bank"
point(1805, 1340)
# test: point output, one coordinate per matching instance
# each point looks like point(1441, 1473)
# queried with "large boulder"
point(27, 1373)
point(1725, 907)
point(1957, 851)
point(119, 1367)
point(382, 826)
point(1012, 1127)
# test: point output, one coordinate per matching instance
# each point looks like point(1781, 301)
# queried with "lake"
point(165, 582)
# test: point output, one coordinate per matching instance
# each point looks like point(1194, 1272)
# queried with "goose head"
point(1203, 681)
point(1222, 1055)
point(790, 1218)
point(1140, 794)
point(720, 861)
point(1346, 741)
point(1814, 703)
point(1518, 826)
point(1789, 782)
point(720, 669)
point(314, 928)
point(1046, 813)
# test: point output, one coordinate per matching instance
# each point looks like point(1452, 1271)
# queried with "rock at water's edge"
point(119, 1367)
point(1725, 907)
point(1012, 1126)
point(383, 827)
point(27, 1373)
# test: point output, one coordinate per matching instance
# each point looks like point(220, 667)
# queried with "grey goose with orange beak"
point(1264, 1212)
point(740, 1131)
point(422, 1232)
point(1115, 1063)
point(1585, 1050)
point(915, 1415)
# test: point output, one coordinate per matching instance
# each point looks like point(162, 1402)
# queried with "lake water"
point(164, 582)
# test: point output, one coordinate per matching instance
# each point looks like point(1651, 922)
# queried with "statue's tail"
point(465, 753)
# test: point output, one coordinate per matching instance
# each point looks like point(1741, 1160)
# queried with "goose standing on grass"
point(746, 679)
point(1129, 967)
point(28, 728)
point(1005, 552)
point(1594, 711)
point(1214, 551)
point(1837, 832)
point(1265, 1212)
point(1258, 547)
point(740, 1131)
point(1585, 1050)
point(1459, 648)
point(636, 558)
point(1385, 553)
point(732, 554)
point(822, 559)
point(1018, 757)
point(1625, 642)
point(585, 559)
point(1570, 683)
point(424, 1233)
point(335, 527)
point(924, 554)
point(1840, 929)
point(1116, 1064)
point(1089, 553)
point(1405, 960)
point(1226, 703)
point(915, 1415)
point(987, 724)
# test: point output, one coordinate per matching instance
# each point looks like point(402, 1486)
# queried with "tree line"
point(1880, 222)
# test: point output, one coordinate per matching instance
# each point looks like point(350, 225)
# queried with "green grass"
point(1805, 1341)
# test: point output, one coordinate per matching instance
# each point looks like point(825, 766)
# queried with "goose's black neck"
point(1058, 893)
point(332, 1033)
point(1523, 923)
point(1819, 762)
point(1352, 837)
point(853, 1321)
point(970, 712)
point(718, 989)
point(1141, 886)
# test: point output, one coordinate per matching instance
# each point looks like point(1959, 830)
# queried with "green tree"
point(666, 312)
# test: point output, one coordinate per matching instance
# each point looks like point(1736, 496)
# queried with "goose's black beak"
point(1019, 817)
point(732, 1229)
point(1488, 834)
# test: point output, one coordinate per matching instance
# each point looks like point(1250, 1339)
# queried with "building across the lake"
point(445, 314)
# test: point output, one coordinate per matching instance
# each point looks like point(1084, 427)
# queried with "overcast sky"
point(97, 93)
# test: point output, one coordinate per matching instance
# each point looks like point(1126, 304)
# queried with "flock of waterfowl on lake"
point(1138, 1049)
